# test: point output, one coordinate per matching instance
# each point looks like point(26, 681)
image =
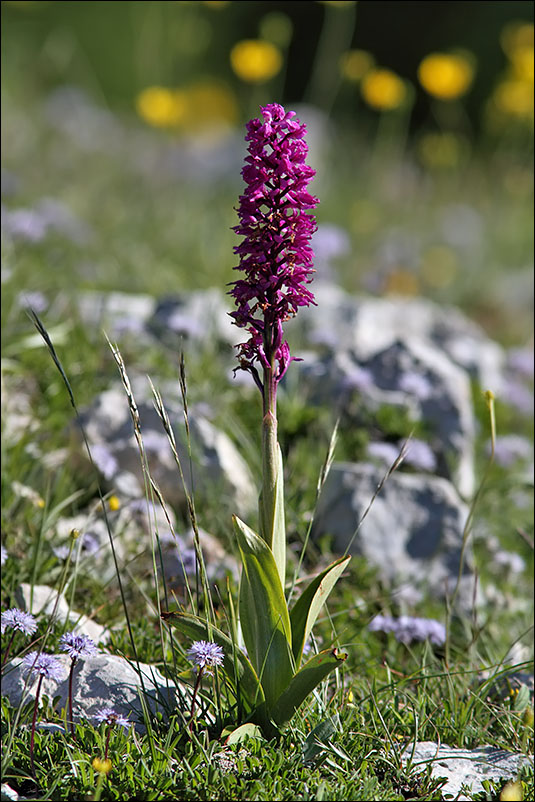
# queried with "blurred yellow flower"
point(512, 791)
point(441, 150)
point(161, 107)
point(383, 89)
point(522, 63)
point(339, 3)
point(276, 27)
point(114, 503)
point(102, 766)
point(439, 266)
point(516, 35)
point(354, 64)
point(209, 104)
point(255, 60)
point(514, 98)
point(446, 76)
point(200, 106)
point(402, 282)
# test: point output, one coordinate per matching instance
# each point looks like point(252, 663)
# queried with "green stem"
point(269, 457)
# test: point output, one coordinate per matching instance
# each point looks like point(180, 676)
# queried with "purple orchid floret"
point(275, 254)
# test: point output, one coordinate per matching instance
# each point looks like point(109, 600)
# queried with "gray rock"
point(102, 681)
point(134, 528)
point(9, 793)
point(116, 312)
point(369, 325)
point(218, 467)
point(412, 532)
point(200, 317)
point(45, 600)
point(464, 767)
point(415, 377)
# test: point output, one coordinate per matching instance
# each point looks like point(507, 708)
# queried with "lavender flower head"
point(109, 716)
point(408, 628)
point(18, 619)
point(206, 655)
point(77, 645)
point(45, 665)
point(275, 254)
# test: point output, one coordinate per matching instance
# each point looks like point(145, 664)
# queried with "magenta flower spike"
point(275, 254)
point(276, 260)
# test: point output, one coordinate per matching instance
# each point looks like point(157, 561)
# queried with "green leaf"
point(315, 741)
point(236, 665)
point(264, 614)
point(305, 611)
point(241, 734)
point(272, 521)
point(307, 678)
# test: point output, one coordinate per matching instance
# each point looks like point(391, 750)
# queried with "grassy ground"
point(149, 231)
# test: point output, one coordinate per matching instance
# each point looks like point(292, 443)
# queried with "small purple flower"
point(18, 620)
point(3, 554)
point(109, 716)
point(517, 395)
point(104, 460)
point(407, 628)
point(61, 552)
point(509, 448)
point(520, 361)
point(206, 655)
point(420, 455)
point(77, 645)
point(386, 453)
point(90, 542)
point(32, 300)
point(275, 254)
point(415, 384)
point(45, 665)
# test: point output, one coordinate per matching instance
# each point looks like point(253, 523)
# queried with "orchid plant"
point(269, 677)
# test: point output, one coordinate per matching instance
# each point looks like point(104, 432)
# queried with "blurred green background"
point(131, 115)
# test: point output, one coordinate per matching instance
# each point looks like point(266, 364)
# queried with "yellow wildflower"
point(383, 90)
point(514, 98)
point(102, 766)
point(515, 36)
point(354, 64)
point(512, 791)
point(161, 107)
point(446, 76)
point(441, 150)
point(255, 60)
point(114, 503)
point(402, 282)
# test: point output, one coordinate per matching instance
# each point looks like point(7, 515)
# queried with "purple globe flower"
point(275, 254)
point(45, 665)
point(109, 716)
point(18, 619)
point(206, 655)
point(77, 645)
point(408, 628)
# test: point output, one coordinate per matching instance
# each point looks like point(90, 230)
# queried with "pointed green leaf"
point(272, 521)
point(264, 614)
point(307, 678)
point(305, 611)
point(236, 665)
